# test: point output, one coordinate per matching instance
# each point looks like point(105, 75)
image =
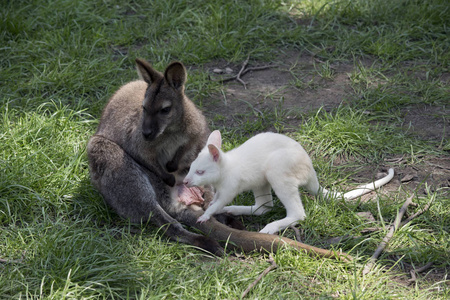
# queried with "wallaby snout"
point(150, 126)
point(148, 134)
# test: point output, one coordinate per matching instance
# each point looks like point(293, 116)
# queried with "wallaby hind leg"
point(134, 192)
point(263, 203)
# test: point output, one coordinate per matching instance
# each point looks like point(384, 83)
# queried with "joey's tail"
point(360, 190)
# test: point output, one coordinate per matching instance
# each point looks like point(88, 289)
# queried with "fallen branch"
point(388, 236)
point(297, 233)
point(424, 209)
point(272, 266)
point(238, 77)
point(370, 229)
point(413, 272)
point(244, 70)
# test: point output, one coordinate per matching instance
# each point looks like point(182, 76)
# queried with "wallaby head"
point(162, 105)
point(205, 169)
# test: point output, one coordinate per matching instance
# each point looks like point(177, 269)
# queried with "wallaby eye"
point(199, 172)
point(165, 110)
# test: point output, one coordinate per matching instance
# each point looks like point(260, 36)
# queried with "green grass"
point(60, 61)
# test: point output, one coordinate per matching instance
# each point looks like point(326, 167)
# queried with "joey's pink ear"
point(215, 139)
point(214, 151)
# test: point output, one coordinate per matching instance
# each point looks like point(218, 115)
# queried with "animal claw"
point(202, 219)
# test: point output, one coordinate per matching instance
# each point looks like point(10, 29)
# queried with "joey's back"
point(267, 151)
point(246, 167)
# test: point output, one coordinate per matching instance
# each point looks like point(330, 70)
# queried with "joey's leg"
point(263, 203)
point(290, 197)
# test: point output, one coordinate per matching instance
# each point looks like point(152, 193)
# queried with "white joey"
point(264, 162)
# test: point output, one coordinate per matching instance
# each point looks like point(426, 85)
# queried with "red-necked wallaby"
point(148, 135)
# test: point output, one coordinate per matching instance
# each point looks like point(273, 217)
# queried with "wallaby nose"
point(147, 134)
point(186, 182)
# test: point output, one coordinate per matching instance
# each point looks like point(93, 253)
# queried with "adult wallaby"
point(148, 135)
point(264, 162)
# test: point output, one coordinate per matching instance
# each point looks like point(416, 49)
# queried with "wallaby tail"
point(362, 189)
point(250, 241)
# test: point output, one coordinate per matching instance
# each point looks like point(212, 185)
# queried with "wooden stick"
point(388, 236)
point(297, 233)
point(413, 272)
point(424, 209)
point(272, 266)
point(223, 80)
point(244, 70)
point(257, 69)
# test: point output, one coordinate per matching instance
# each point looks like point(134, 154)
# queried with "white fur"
point(264, 162)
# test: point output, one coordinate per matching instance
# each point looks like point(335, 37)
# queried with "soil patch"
point(297, 84)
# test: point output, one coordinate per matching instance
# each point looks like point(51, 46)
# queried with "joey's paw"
point(269, 229)
point(171, 166)
point(203, 218)
point(232, 210)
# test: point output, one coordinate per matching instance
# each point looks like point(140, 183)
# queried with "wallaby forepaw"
point(170, 180)
point(171, 166)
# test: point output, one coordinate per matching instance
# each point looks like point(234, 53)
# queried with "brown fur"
point(142, 148)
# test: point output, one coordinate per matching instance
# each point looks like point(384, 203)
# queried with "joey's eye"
point(199, 172)
point(165, 110)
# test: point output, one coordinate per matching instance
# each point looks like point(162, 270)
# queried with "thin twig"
point(238, 77)
point(257, 69)
point(234, 77)
point(424, 209)
point(297, 233)
point(370, 229)
point(424, 268)
point(272, 266)
point(395, 160)
point(413, 276)
point(388, 236)
point(406, 221)
point(244, 70)
point(413, 272)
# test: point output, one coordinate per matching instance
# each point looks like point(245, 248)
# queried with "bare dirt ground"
point(292, 84)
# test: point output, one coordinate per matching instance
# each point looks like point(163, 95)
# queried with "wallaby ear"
point(214, 151)
point(215, 139)
point(175, 75)
point(146, 72)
